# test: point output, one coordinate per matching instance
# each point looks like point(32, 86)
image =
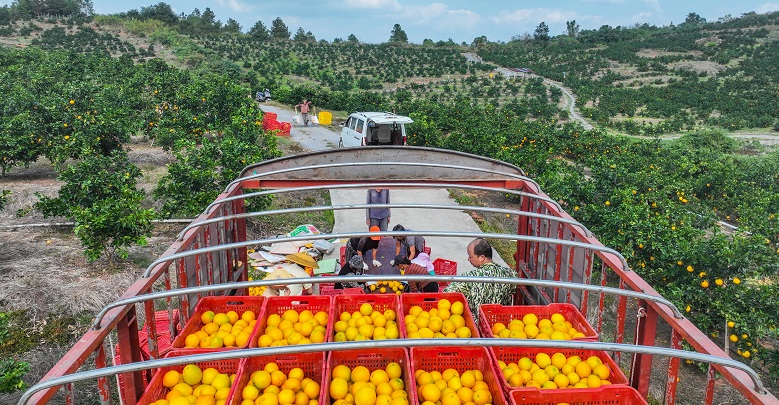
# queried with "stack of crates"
point(485, 362)
point(615, 392)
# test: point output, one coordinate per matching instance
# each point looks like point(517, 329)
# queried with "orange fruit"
point(602, 371)
point(286, 397)
point(171, 378)
point(365, 396)
point(429, 392)
point(583, 369)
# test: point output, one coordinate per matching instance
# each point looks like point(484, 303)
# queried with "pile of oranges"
point(361, 386)
point(293, 328)
point(366, 324)
point(271, 386)
point(452, 388)
point(222, 330)
point(444, 321)
point(387, 287)
point(195, 386)
point(556, 327)
point(556, 372)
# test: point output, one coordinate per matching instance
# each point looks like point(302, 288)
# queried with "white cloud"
point(534, 15)
point(464, 19)
point(373, 4)
point(424, 14)
point(767, 7)
point(653, 4)
point(234, 5)
point(641, 17)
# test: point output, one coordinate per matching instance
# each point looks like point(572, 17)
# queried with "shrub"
point(100, 195)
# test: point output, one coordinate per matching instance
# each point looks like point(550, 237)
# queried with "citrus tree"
point(200, 173)
point(100, 195)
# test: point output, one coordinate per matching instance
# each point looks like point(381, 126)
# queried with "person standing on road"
point(476, 294)
point(378, 216)
point(305, 107)
point(409, 246)
point(408, 268)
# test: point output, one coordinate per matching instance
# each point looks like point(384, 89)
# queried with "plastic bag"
point(296, 119)
point(314, 120)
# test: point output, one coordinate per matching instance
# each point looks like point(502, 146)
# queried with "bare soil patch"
point(701, 66)
point(654, 53)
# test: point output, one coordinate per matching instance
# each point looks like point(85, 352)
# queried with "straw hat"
point(303, 259)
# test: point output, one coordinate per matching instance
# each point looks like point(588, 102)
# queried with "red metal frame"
point(123, 319)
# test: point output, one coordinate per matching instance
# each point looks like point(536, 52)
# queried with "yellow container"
point(325, 118)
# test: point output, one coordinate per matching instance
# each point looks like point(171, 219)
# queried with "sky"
point(459, 20)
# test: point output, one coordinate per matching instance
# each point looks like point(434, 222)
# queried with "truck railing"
point(365, 206)
point(576, 258)
point(386, 185)
point(367, 278)
point(325, 236)
point(393, 343)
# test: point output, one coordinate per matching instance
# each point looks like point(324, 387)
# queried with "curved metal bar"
point(363, 206)
point(375, 164)
point(338, 346)
point(368, 278)
point(237, 245)
point(367, 185)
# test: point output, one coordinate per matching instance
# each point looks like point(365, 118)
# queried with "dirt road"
point(319, 138)
point(570, 98)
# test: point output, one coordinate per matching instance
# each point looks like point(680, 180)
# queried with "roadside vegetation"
point(79, 88)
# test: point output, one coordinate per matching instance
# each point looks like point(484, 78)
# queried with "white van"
point(374, 128)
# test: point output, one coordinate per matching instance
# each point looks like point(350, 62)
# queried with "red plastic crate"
point(490, 314)
point(443, 267)
point(352, 291)
point(429, 301)
point(155, 390)
point(277, 305)
point(372, 359)
point(351, 303)
point(326, 286)
point(328, 290)
point(285, 128)
point(607, 395)
point(312, 364)
point(514, 354)
point(461, 359)
point(224, 304)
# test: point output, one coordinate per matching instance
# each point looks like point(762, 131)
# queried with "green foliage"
point(27, 9)
point(201, 173)
point(656, 94)
point(100, 195)
point(279, 30)
point(192, 108)
point(398, 35)
point(11, 374)
point(259, 32)
point(11, 371)
point(4, 194)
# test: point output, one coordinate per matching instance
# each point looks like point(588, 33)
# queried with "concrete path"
point(313, 137)
point(417, 219)
point(318, 138)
